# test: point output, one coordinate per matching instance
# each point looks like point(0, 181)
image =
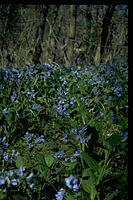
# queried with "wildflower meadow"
point(64, 132)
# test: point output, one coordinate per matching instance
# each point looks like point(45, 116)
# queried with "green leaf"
point(114, 140)
point(49, 160)
point(117, 108)
point(58, 170)
point(91, 122)
point(111, 196)
point(90, 162)
point(88, 173)
point(85, 173)
point(92, 177)
point(123, 123)
point(19, 162)
point(69, 197)
point(86, 185)
point(89, 187)
point(18, 197)
point(43, 166)
point(70, 165)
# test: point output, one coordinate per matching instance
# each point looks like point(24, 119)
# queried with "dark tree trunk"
point(105, 28)
point(71, 35)
point(39, 35)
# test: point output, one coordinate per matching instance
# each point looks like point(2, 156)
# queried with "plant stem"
point(104, 166)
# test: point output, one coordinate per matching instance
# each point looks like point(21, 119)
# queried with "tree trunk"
point(5, 57)
point(39, 35)
point(105, 28)
point(99, 57)
point(71, 35)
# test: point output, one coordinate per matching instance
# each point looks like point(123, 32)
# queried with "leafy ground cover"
point(64, 132)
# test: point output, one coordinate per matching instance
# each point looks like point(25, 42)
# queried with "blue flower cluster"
point(60, 194)
point(13, 177)
point(80, 135)
point(2, 142)
point(7, 155)
point(5, 111)
point(73, 182)
point(124, 135)
point(14, 97)
point(29, 138)
point(36, 107)
point(59, 154)
point(64, 102)
point(31, 94)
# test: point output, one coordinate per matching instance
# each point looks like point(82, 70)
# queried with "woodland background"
point(66, 34)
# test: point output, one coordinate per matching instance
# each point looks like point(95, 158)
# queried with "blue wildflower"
point(29, 136)
point(77, 153)
point(109, 98)
point(113, 118)
point(84, 100)
point(10, 173)
point(102, 114)
point(7, 179)
point(65, 138)
point(6, 156)
point(14, 181)
point(72, 100)
point(78, 137)
point(62, 101)
point(13, 98)
point(2, 180)
point(66, 92)
point(74, 130)
point(20, 171)
point(1, 87)
point(2, 142)
point(69, 159)
point(13, 151)
point(60, 194)
point(5, 111)
point(30, 176)
point(36, 107)
point(83, 140)
point(5, 190)
point(30, 145)
point(59, 154)
point(39, 140)
point(84, 128)
point(17, 154)
point(92, 109)
point(73, 182)
point(119, 147)
point(65, 107)
point(124, 135)
point(32, 185)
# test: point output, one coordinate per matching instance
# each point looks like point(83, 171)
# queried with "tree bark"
point(71, 35)
point(101, 48)
point(105, 28)
point(39, 36)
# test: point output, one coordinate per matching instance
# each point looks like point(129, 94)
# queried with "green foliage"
point(64, 128)
point(90, 162)
point(19, 162)
point(18, 197)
